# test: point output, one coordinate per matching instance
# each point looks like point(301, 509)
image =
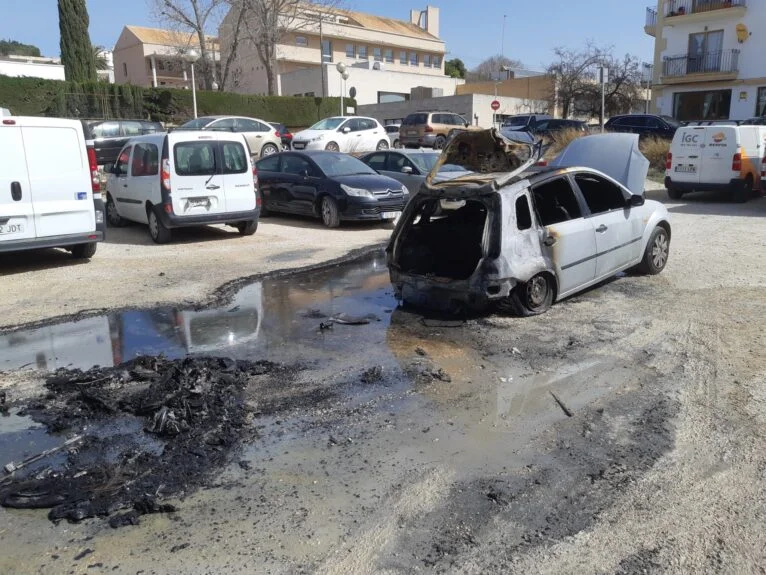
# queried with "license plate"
point(687, 169)
point(298, 146)
point(198, 202)
point(412, 133)
point(12, 229)
point(391, 215)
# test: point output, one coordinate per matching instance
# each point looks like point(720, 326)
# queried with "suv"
point(644, 125)
point(429, 129)
point(109, 136)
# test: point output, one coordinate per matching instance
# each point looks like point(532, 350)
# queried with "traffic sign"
point(495, 105)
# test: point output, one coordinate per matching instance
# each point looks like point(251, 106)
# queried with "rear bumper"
point(174, 221)
point(52, 242)
point(733, 184)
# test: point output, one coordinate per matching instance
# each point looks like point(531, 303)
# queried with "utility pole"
point(502, 41)
point(604, 77)
point(321, 55)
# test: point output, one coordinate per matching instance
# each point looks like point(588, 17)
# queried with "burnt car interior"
point(444, 239)
point(555, 202)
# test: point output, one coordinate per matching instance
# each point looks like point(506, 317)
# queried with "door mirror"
point(346, 130)
point(636, 200)
point(407, 169)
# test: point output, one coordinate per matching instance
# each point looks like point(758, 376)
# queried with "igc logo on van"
point(719, 137)
point(690, 139)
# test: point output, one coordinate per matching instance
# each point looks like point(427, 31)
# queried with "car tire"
point(114, 219)
point(675, 194)
point(382, 145)
point(332, 147)
point(656, 253)
point(247, 228)
point(268, 150)
point(742, 192)
point(328, 210)
point(157, 230)
point(84, 251)
point(439, 142)
point(532, 297)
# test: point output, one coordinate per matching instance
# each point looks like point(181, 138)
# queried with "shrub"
point(655, 150)
point(561, 140)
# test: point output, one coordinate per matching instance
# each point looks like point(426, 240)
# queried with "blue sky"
point(472, 29)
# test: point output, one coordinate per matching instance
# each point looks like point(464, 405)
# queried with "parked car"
point(757, 121)
point(719, 157)
point(527, 237)
point(343, 134)
point(108, 137)
point(262, 138)
point(393, 134)
point(549, 128)
point(184, 179)
point(51, 191)
point(526, 122)
point(332, 186)
point(284, 134)
point(645, 125)
point(410, 167)
point(430, 129)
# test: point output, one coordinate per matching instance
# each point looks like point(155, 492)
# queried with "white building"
point(709, 58)
point(31, 67)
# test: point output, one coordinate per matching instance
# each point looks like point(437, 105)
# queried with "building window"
point(326, 51)
point(388, 97)
point(413, 58)
point(362, 52)
point(376, 55)
point(125, 69)
point(760, 104)
point(309, 94)
point(403, 57)
point(427, 60)
point(707, 105)
point(437, 62)
point(350, 52)
point(301, 41)
point(705, 51)
point(389, 55)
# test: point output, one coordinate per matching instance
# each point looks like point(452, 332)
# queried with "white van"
point(184, 179)
point(716, 157)
point(50, 193)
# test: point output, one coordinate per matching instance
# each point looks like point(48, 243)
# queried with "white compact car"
point(184, 179)
point(343, 134)
point(50, 191)
point(716, 157)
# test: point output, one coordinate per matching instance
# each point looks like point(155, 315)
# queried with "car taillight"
point(736, 163)
point(255, 176)
point(429, 129)
point(95, 179)
point(165, 174)
point(669, 161)
point(277, 134)
point(763, 167)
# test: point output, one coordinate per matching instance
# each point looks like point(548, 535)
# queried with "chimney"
point(415, 17)
point(432, 21)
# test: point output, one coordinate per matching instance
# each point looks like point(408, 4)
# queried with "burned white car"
point(522, 236)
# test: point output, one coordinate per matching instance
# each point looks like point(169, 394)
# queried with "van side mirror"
point(636, 200)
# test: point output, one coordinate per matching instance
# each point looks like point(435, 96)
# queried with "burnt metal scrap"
point(190, 416)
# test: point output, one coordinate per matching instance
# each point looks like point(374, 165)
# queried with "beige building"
point(386, 58)
point(150, 57)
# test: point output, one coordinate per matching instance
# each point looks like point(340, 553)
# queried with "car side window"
point(106, 130)
point(652, 122)
point(523, 215)
point(234, 158)
point(600, 194)
point(270, 164)
point(225, 125)
point(368, 124)
point(122, 162)
point(377, 162)
point(555, 202)
point(545, 125)
point(458, 120)
point(131, 128)
point(437, 118)
point(295, 165)
point(245, 125)
point(146, 160)
point(350, 124)
point(397, 163)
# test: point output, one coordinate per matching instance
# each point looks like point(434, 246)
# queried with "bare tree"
point(267, 21)
point(492, 69)
point(572, 72)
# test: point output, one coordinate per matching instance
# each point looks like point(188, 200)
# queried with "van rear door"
point(17, 218)
point(687, 147)
point(196, 183)
point(60, 179)
point(239, 189)
point(721, 143)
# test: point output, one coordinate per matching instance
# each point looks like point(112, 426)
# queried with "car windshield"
point(197, 124)
point(333, 164)
point(672, 122)
point(328, 124)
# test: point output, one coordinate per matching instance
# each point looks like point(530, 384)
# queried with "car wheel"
point(382, 145)
point(332, 147)
point(744, 191)
point(675, 194)
point(268, 150)
point(247, 228)
point(330, 213)
point(84, 251)
point(114, 219)
point(157, 230)
point(439, 143)
point(532, 297)
point(656, 253)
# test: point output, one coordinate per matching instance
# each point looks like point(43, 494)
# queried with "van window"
point(194, 158)
point(601, 195)
point(146, 160)
point(555, 202)
point(523, 216)
point(122, 162)
point(234, 158)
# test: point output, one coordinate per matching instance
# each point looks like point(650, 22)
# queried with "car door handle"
point(259, 136)
point(601, 229)
point(213, 187)
point(16, 191)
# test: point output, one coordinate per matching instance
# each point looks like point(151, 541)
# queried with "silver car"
point(262, 138)
point(410, 167)
point(393, 134)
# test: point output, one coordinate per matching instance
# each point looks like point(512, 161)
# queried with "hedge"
point(36, 97)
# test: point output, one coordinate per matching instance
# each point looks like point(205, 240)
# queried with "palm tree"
point(98, 55)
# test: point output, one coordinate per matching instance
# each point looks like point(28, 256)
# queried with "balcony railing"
point(651, 18)
point(682, 7)
point(723, 62)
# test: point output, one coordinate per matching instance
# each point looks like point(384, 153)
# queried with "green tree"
point(455, 68)
point(99, 58)
point(76, 50)
point(17, 48)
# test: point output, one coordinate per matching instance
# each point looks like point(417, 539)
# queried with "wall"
point(530, 87)
point(31, 70)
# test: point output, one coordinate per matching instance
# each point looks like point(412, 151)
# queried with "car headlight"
point(405, 190)
point(318, 138)
point(356, 192)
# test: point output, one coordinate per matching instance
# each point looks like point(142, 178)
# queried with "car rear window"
point(194, 158)
point(415, 119)
point(234, 158)
point(105, 130)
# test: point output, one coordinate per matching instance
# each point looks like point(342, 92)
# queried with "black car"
point(757, 121)
point(328, 185)
point(645, 125)
point(549, 128)
point(110, 136)
point(284, 133)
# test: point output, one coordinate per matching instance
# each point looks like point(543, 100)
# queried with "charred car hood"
point(616, 155)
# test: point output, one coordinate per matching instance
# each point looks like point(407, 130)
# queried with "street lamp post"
point(344, 75)
point(191, 56)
